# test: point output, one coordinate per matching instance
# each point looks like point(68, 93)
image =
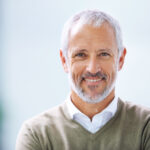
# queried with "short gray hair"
point(94, 18)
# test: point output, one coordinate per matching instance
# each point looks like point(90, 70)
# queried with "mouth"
point(93, 81)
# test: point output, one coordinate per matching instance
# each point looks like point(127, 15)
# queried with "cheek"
point(109, 69)
point(114, 71)
point(76, 71)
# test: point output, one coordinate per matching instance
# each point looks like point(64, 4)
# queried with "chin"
point(93, 99)
point(88, 98)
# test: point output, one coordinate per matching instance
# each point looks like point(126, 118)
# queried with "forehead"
point(92, 37)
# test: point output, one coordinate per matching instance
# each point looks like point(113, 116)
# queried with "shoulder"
point(36, 132)
point(46, 118)
point(135, 111)
point(134, 121)
point(136, 108)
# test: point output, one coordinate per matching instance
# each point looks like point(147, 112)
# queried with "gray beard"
point(85, 97)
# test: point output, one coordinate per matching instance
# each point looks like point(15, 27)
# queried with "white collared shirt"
point(98, 121)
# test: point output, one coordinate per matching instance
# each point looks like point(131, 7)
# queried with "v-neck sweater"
point(54, 129)
point(98, 120)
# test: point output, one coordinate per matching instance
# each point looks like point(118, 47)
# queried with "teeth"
point(92, 80)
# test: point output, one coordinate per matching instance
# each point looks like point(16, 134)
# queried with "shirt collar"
point(73, 110)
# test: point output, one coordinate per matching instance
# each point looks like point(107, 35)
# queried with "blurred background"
point(31, 76)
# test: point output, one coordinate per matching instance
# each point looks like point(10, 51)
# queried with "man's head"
point(92, 53)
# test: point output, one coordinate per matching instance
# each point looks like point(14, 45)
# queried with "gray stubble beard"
point(85, 97)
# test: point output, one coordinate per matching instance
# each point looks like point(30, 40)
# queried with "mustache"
point(99, 74)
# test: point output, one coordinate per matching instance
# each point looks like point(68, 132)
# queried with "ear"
point(121, 59)
point(63, 61)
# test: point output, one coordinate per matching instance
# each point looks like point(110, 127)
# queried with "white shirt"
point(98, 121)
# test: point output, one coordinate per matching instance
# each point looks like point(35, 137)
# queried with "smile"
point(92, 80)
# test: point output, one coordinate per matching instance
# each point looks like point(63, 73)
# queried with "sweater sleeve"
point(27, 139)
point(146, 137)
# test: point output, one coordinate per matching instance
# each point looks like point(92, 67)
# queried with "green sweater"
point(129, 129)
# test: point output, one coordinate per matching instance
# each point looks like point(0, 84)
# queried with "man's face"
point(92, 61)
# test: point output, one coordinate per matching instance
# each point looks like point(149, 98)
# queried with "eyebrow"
point(76, 50)
point(79, 50)
point(104, 49)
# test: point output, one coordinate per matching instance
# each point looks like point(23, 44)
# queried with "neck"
point(91, 109)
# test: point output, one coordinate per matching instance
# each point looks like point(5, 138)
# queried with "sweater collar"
point(73, 110)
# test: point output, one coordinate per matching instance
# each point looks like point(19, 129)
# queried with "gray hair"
point(94, 18)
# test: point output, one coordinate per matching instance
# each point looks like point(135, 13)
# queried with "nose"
point(93, 65)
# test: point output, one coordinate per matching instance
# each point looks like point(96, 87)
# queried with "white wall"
point(32, 77)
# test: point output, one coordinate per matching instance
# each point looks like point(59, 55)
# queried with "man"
point(92, 117)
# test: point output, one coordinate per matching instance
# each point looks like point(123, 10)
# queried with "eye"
point(80, 55)
point(104, 54)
